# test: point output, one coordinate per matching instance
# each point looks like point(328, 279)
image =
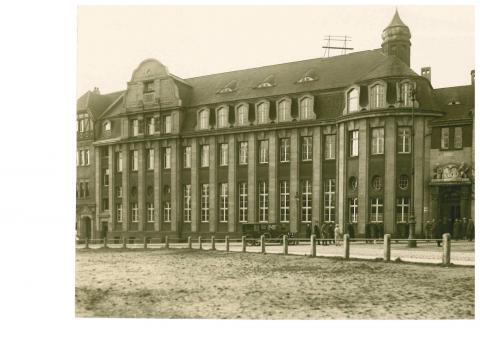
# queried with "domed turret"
point(396, 39)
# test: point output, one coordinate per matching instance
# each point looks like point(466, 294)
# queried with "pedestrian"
point(464, 229)
point(439, 230)
point(331, 232)
point(316, 230)
point(351, 230)
point(309, 231)
point(324, 234)
point(470, 230)
point(428, 229)
point(456, 229)
point(337, 235)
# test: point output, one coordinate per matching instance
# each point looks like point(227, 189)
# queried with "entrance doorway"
point(450, 207)
point(87, 224)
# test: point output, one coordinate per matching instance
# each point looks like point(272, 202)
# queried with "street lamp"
point(411, 220)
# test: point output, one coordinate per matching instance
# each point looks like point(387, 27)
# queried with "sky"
point(199, 40)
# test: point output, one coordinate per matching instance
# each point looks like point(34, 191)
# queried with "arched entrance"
point(87, 227)
point(450, 208)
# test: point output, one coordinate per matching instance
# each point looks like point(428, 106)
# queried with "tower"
point(396, 39)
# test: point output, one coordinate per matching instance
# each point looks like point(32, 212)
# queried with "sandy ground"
point(182, 283)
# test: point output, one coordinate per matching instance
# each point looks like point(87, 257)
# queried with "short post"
point(346, 246)
point(262, 243)
point(285, 245)
point(244, 244)
point(144, 243)
point(189, 241)
point(199, 242)
point(86, 243)
point(227, 243)
point(446, 248)
point(386, 247)
point(105, 242)
point(124, 243)
point(313, 245)
point(167, 245)
point(213, 242)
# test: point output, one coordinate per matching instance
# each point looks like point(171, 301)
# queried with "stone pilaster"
point(294, 192)
point(111, 188)
point(363, 203)
point(232, 184)
point(434, 192)
point(390, 176)
point(141, 187)
point(341, 168)
point(272, 177)
point(418, 182)
point(98, 191)
point(157, 186)
point(317, 173)
point(194, 182)
point(252, 179)
point(213, 188)
point(175, 186)
point(125, 186)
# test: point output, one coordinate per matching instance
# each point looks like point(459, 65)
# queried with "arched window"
point(107, 126)
point(222, 121)
point(352, 100)
point(242, 115)
point(306, 108)
point(283, 111)
point(377, 96)
point(204, 119)
point(262, 112)
point(406, 94)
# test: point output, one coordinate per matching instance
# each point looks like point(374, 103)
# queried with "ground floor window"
point(376, 210)
point(243, 202)
point(353, 210)
point(403, 207)
point(306, 201)
point(263, 201)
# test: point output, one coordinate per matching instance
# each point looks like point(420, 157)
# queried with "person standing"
point(463, 230)
point(470, 230)
point(316, 230)
point(309, 231)
point(456, 229)
point(428, 229)
point(325, 234)
point(337, 235)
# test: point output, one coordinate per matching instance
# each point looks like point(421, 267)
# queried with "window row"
point(83, 157)
point(445, 141)
point(83, 190)
point(84, 123)
point(150, 126)
point(377, 209)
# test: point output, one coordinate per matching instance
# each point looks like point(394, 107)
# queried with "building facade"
point(359, 139)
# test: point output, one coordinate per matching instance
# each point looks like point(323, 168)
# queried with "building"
point(356, 139)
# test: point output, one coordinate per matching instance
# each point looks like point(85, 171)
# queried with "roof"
point(333, 72)
point(396, 21)
point(463, 96)
point(390, 66)
point(96, 102)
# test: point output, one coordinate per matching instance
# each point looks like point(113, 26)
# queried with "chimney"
point(472, 76)
point(96, 91)
point(427, 73)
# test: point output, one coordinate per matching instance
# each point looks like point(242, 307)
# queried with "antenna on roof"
point(337, 44)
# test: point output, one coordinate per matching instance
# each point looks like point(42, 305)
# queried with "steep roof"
point(456, 102)
point(95, 102)
point(396, 21)
point(333, 72)
point(390, 66)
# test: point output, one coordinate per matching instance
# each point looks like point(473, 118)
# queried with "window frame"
point(263, 151)
point(264, 112)
point(243, 153)
point(187, 156)
point(263, 201)
point(350, 99)
point(330, 147)
point(222, 117)
point(306, 201)
point(167, 157)
point(284, 149)
point(377, 216)
point(243, 202)
point(204, 155)
point(404, 140)
point(377, 97)
point(187, 203)
point(203, 119)
point(284, 201)
point(307, 148)
point(309, 107)
point(354, 136)
point(223, 207)
point(445, 138)
point(242, 110)
point(377, 142)
point(204, 203)
point(223, 155)
point(329, 205)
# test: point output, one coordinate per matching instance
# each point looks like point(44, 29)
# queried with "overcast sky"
point(193, 41)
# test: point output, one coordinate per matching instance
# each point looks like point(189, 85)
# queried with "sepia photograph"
point(275, 162)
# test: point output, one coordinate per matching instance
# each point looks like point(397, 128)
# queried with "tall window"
point(187, 157)
point(134, 208)
point(284, 150)
point(204, 119)
point(376, 210)
point(119, 191)
point(167, 211)
point(87, 152)
point(284, 201)
point(150, 159)
point(224, 154)
point(262, 113)
point(404, 140)
point(263, 201)
point(353, 210)
point(263, 152)
point(306, 108)
point(243, 202)
point(330, 146)
point(106, 176)
point(445, 140)
point(354, 143)
point(134, 160)
point(87, 191)
point(242, 114)
point(119, 162)
point(403, 206)
point(329, 200)
point(81, 191)
point(306, 201)
point(151, 125)
point(406, 94)
point(223, 202)
point(377, 96)
point(307, 148)
point(167, 157)
point(222, 117)
point(204, 156)
point(150, 212)
point(457, 139)
point(352, 100)
point(119, 212)
point(377, 141)
point(283, 111)
point(167, 124)
point(187, 203)
point(204, 209)
point(243, 153)
point(135, 127)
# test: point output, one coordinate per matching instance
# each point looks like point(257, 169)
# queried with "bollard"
point(104, 242)
point(144, 243)
point(86, 243)
point(313, 245)
point(189, 241)
point(227, 243)
point(244, 244)
point(213, 242)
point(346, 246)
point(262, 243)
point(446, 248)
point(199, 242)
point(167, 245)
point(124, 243)
point(386, 247)
point(285, 245)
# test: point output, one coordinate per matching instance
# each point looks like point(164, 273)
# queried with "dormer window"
point(283, 111)
point(222, 121)
point(308, 77)
point(230, 87)
point(377, 96)
point(148, 87)
point(267, 83)
point(242, 113)
point(352, 100)
point(107, 126)
point(454, 102)
point(306, 108)
point(203, 116)
point(262, 113)
point(406, 94)
point(225, 90)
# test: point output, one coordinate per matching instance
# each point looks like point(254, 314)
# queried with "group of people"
point(460, 229)
point(326, 234)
